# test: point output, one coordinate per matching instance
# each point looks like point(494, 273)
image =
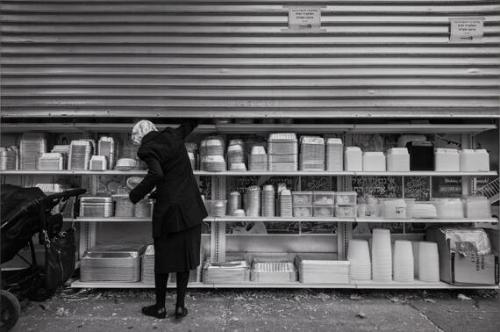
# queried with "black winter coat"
point(178, 203)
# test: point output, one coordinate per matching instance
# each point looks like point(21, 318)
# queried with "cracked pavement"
point(268, 310)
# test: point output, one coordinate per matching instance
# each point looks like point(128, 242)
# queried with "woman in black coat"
point(178, 210)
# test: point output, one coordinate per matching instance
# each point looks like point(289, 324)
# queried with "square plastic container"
point(323, 211)
point(216, 207)
point(345, 198)
point(398, 160)
point(353, 159)
point(373, 162)
point(323, 198)
point(334, 155)
point(477, 207)
point(474, 160)
point(304, 212)
point(447, 160)
point(345, 211)
point(302, 198)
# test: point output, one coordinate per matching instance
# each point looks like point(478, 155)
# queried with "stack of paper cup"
point(358, 255)
point(428, 261)
point(381, 255)
point(268, 201)
point(252, 201)
point(403, 261)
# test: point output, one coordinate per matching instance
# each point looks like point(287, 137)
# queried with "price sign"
point(466, 29)
point(304, 18)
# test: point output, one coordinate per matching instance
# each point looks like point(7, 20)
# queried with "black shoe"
point(180, 312)
point(154, 311)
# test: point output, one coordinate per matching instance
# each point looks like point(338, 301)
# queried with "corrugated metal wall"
point(233, 58)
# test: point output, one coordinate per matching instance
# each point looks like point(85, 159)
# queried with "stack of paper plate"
point(32, 146)
point(148, 264)
point(228, 272)
point(312, 153)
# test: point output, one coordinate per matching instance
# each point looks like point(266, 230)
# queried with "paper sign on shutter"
point(304, 18)
point(466, 29)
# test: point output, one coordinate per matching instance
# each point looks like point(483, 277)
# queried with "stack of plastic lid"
point(148, 263)
point(268, 201)
point(252, 201)
point(381, 255)
point(358, 254)
point(428, 261)
point(283, 152)
point(403, 261)
point(258, 159)
point(312, 153)
point(273, 272)
point(236, 155)
point(334, 155)
point(106, 148)
point(286, 207)
point(51, 162)
point(32, 146)
point(212, 154)
point(228, 272)
point(8, 158)
point(234, 202)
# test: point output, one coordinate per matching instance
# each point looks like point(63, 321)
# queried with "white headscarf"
point(141, 129)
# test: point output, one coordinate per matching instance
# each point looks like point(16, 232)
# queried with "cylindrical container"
point(268, 201)
point(403, 261)
point(286, 207)
point(143, 209)
point(252, 201)
point(123, 206)
point(358, 254)
point(234, 202)
point(428, 261)
point(381, 255)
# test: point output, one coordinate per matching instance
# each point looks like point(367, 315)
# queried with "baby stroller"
point(24, 213)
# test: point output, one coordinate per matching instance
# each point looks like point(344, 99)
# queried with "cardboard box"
point(456, 269)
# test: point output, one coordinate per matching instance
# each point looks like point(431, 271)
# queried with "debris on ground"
point(361, 315)
point(463, 297)
point(430, 300)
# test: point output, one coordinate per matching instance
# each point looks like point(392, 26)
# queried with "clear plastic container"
point(477, 207)
point(449, 208)
point(323, 198)
point(302, 198)
point(123, 206)
point(323, 211)
point(304, 212)
point(345, 198)
point(345, 211)
point(144, 209)
point(216, 207)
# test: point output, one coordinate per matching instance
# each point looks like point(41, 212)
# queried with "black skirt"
point(178, 252)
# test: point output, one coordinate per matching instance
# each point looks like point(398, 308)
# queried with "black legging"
point(161, 288)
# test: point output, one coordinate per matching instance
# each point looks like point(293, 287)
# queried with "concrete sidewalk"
point(268, 310)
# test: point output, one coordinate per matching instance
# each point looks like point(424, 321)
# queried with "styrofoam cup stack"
point(358, 254)
point(403, 261)
point(381, 255)
point(428, 261)
point(415, 245)
point(268, 201)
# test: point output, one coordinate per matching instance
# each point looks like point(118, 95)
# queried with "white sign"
point(466, 29)
point(304, 18)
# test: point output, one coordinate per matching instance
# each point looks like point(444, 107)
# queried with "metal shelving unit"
point(218, 235)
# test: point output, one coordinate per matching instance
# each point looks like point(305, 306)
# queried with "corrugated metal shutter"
point(235, 58)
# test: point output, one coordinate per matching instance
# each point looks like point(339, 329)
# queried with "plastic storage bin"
point(345, 211)
point(474, 160)
point(323, 211)
point(447, 160)
point(373, 162)
point(302, 198)
point(346, 198)
point(322, 198)
point(353, 159)
point(477, 207)
point(398, 160)
point(304, 211)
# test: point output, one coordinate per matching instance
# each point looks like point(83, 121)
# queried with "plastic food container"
point(144, 209)
point(394, 208)
point(373, 162)
point(96, 206)
point(123, 206)
point(323, 211)
point(252, 201)
point(323, 198)
point(353, 159)
point(398, 160)
point(334, 155)
point(98, 163)
point(302, 198)
point(447, 160)
point(304, 212)
point(449, 208)
point(216, 207)
point(345, 198)
point(345, 211)
point(477, 207)
point(51, 162)
point(474, 160)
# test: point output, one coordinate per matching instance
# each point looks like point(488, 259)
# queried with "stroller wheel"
point(11, 309)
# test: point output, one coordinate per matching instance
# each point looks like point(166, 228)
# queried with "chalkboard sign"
point(418, 187)
point(447, 187)
point(317, 183)
point(378, 186)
